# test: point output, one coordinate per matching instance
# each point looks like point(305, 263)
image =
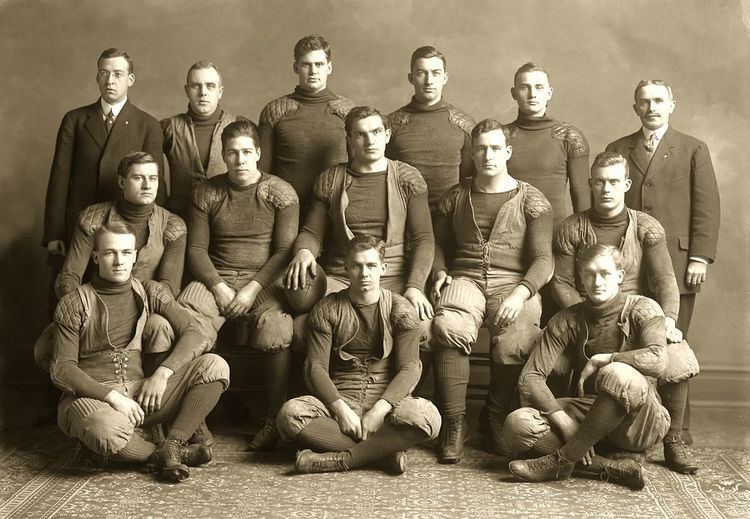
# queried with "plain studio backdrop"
point(595, 53)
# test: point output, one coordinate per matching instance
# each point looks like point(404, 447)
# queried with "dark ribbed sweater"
point(203, 127)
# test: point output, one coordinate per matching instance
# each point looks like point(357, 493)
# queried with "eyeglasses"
point(117, 74)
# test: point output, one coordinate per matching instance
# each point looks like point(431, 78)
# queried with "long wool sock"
point(547, 444)
point(452, 371)
point(276, 365)
point(198, 402)
point(324, 435)
point(137, 449)
point(384, 442)
point(427, 360)
point(297, 385)
point(674, 399)
point(501, 397)
point(603, 418)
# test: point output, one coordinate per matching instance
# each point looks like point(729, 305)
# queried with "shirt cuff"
point(699, 259)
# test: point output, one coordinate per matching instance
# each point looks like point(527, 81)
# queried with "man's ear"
point(628, 184)
point(95, 256)
point(410, 77)
point(513, 93)
point(121, 182)
point(384, 267)
point(620, 276)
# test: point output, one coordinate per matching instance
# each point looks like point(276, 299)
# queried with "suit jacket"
point(678, 187)
point(84, 169)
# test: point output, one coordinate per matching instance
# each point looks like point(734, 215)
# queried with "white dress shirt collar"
point(659, 132)
point(106, 107)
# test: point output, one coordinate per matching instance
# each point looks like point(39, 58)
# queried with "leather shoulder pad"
point(322, 313)
point(447, 203)
point(535, 204)
point(69, 311)
point(166, 126)
point(276, 109)
point(403, 314)
point(93, 217)
point(175, 227)
point(207, 193)
point(341, 106)
point(650, 231)
point(461, 119)
point(278, 192)
point(567, 236)
point(397, 119)
point(645, 309)
point(578, 146)
point(410, 179)
point(323, 188)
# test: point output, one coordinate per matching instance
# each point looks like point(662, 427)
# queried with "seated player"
point(618, 349)
point(159, 235)
point(648, 271)
point(97, 364)
point(242, 225)
point(492, 255)
point(362, 363)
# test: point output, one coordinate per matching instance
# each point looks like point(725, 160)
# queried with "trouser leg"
point(687, 304)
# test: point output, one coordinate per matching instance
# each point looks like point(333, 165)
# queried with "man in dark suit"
point(673, 181)
point(90, 144)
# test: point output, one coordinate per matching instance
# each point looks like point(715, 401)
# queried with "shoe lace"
point(174, 448)
point(324, 462)
point(677, 446)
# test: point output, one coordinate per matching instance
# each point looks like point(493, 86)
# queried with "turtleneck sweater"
point(137, 217)
point(426, 137)
point(610, 230)
point(300, 136)
point(203, 127)
point(122, 309)
point(549, 154)
point(233, 228)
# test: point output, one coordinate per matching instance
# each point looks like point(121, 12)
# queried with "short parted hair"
point(116, 53)
point(428, 51)
point(644, 82)
point(529, 67)
point(114, 227)
point(240, 128)
point(489, 125)
point(361, 112)
point(599, 249)
point(133, 158)
point(610, 158)
point(363, 242)
point(310, 43)
point(203, 64)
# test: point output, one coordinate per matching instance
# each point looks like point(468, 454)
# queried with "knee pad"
point(624, 383)
point(451, 329)
point(420, 413)
point(210, 367)
point(102, 429)
point(296, 414)
point(512, 345)
point(273, 330)
point(158, 335)
point(523, 428)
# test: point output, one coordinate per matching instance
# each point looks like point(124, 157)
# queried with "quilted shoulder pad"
point(93, 217)
point(535, 203)
point(208, 193)
point(577, 144)
point(397, 119)
point(323, 188)
point(461, 119)
point(324, 312)
point(650, 231)
point(567, 236)
point(341, 106)
point(447, 203)
point(175, 227)
point(645, 309)
point(410, 179)
point(278, 192)
point(70, 311)
point(403, 314)
point(564, 322)
point(276, 109)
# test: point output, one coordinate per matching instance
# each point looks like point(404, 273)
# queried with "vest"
point(185, 168)
point(395, 235)
point(97, 357)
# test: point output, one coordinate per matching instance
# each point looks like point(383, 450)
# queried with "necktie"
point(651, 143)
point(110, 121)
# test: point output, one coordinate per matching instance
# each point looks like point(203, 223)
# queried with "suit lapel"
point(635, 158)
point(122, 122)
point(662, 154)
point(95, 125)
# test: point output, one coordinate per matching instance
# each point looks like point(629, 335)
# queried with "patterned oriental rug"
point(40, 477)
